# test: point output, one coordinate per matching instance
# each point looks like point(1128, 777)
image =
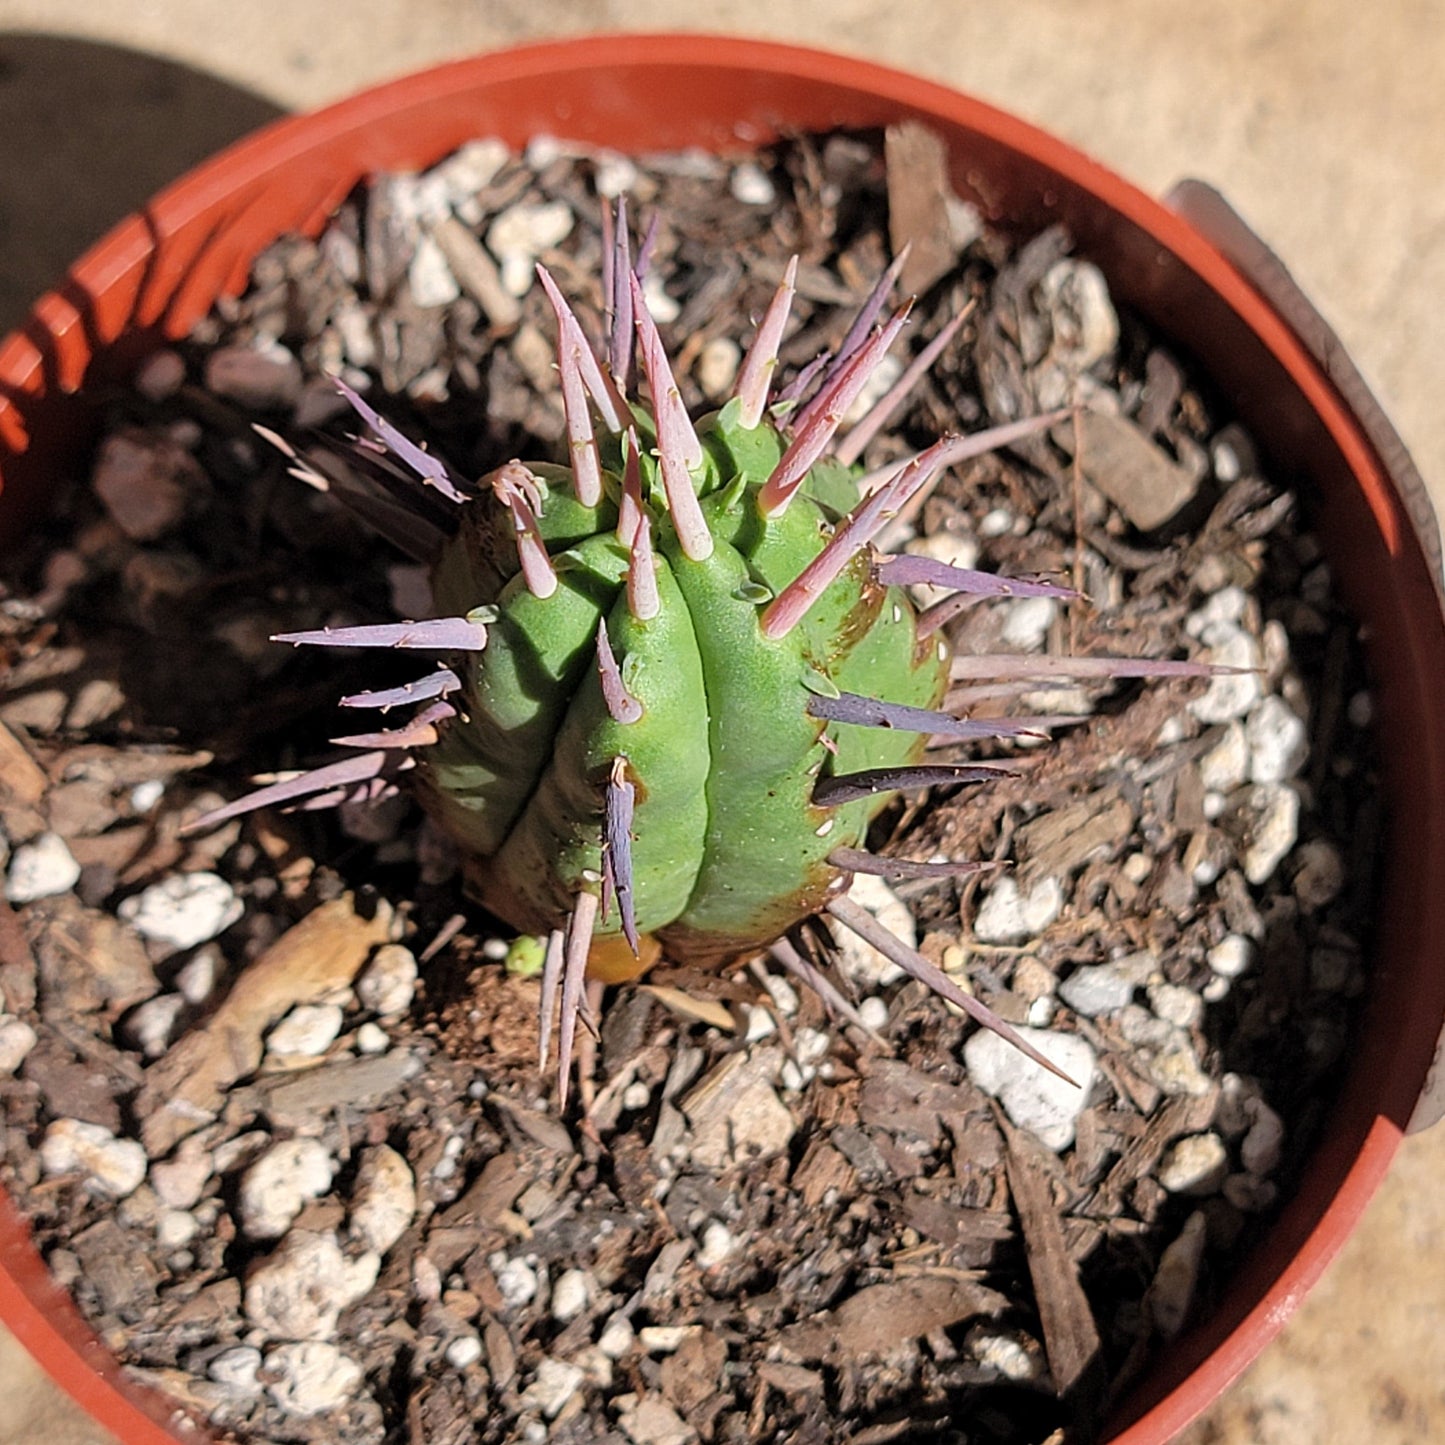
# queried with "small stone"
point(860, 962)
point(717, 367)
point(110, 1166)
point(735, 1113)
point(184, 910)
point(310, 1377)
point(371, 1038)
point(659, 303)
point(1032, 981)
point(383, 1199)
point(617, 1337)
point(41, 868)
point(1082, 318)
point(517, 1281)
point(717, 1245)
point(151, 1026)
point(280, 1183)
point(1176, 1004)
point(236, 1368)
point(1250, 1195)
point(180, 1181)
point(1175, 1067)
point(429, 278)
point(874, 1013)
point(1008, 1355)
point(1027, 622)
point(1146, 485)
point(1319, 874)
point(552, 1386)
point(613, 175)
point(144, 482)
point(387, 984)
point(1106, 987)
point(1230, 695)
point(751, 185)
point(570, 1295)
point(1008, 915)
point(1172, 1291)
point(176, 1228)
point(664, 1339)
point(464, 1351)
point(17, 1038)
point(301, 1290)
point(638, 1095)
point(1263, 821)
point(306, 1032)
point(196, 981)
point(160, 375)
point(1360, 710)
point(1226, 765)
point(1195, 1164)
point(521, 233)
point(1279, 742)
point(1263, 1144)
point(652, 1421)
point(1036, 1100)
point(261, 377)
point(1231, 956)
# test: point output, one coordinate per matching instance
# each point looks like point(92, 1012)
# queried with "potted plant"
point(1192, 272)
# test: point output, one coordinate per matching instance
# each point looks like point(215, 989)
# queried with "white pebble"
point(1008, 915)
point(371, 1038)
point(717, 367)
point(1033, 1098)
point(311, 1377)
point(517, 1281)
point(664, 1339)
point(279, 1184)
point(874, 1013)
point(617, 1337)
point(1082, 316)
point(1006, 1355)
point(751, 185)
point(761, 1023)
point(41, 868)
point(996, 523)
point(184, 910)
point(387, 984)
point(152, 1025)
point(613, 175)
point(144, 796)
point(464, 1351)
point(1230, 695)
point(179, 1182)
point(306, 1032)
point(17, 1038)
point(301, 1290)
point(1226, 765)
point(1106, 987)
point(659, 303)
point(1175, 1067)
point(113, 1167)
point(1278, 741)
point(782, 993)
point(520, 234)
point(1176, 1004)
point(1266, 828)
point(717, 1245)
point(383, 1199)
point(176, 1228)
point(429, 278)
point(569, 1295)
point(1319, 874)
point(860, 962)
point(236, 1368)
point(1222, 609)
point(638, 1095)
point(196, 981)
point(1195, 1164)
point(1231, 956)
point(552, 1386)
point(1027, 622)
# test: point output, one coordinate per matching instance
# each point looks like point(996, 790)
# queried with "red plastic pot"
point(1239, 319)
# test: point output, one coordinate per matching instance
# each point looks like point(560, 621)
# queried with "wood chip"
point(185, 1088)
point(918, 191)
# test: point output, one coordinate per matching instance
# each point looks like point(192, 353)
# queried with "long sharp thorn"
point(874, 512)
point(841, 788)
point(345, 774)
point(855, 860)
point(436, 634)
point(810, 977)
point(630, 509)
point(858, 920)
point(642, 597)
point(643, 264)
point(421, 732)
point(872, 712)
point(581, 361)
point(430, 469)
point(755, 376)
point(1031, 665)
point(619, 263)
point(825, 414)
point(906, 570)
point(620, 800)
point(437, 684)
point(622, 707)
point(512, 485)
point(551, 977)
point(868, 313)
point(574, 973)
point(851, 447)
point(678, 448)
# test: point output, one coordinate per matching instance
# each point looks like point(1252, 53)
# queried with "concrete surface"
point(1321, 119)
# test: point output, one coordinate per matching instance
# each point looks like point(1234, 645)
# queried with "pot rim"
point(50, 354)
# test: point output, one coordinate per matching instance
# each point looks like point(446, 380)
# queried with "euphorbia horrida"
point(681, 681)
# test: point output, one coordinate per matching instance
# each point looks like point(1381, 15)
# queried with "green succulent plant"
point(682, 683)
